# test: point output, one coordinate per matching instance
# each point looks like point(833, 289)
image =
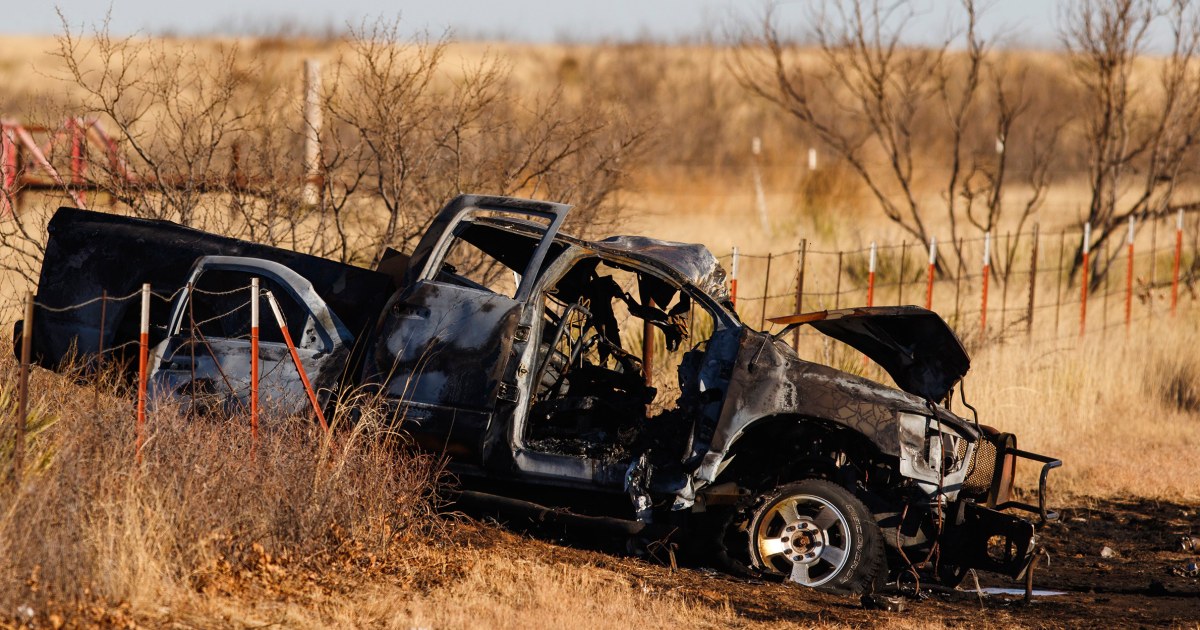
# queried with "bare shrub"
point(902, 116)
point(412, 133)
point(208, 134)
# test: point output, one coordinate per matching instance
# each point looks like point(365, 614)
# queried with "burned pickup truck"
point(505, 344)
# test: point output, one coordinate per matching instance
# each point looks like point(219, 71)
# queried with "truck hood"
point(914, 345)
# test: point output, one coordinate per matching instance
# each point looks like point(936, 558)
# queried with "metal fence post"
point(287, 338)
point(1085, 276)
point(987, 265)
point(143, 364)
point(929, 281)
point(253, 365)
point(900, 277)
point(871, 277)
point(800, 291)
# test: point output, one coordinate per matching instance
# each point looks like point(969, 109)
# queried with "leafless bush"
point(412, 133)
point(901, 116)
point(208, 134)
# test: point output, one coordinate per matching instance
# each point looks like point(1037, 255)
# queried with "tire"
point(819, 535)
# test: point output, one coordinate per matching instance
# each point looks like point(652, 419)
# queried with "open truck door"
point(448, 340)
point(206, 358)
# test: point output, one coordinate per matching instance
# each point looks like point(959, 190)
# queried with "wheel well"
point(778, 449)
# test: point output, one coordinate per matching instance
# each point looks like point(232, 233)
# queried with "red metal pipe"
point(143, 375)
point(929, 281)
point(253, 365)
point(1085, 276)
point(287, 338)
point(987, 266)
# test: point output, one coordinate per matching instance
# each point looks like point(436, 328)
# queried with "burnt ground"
point(1137, 586)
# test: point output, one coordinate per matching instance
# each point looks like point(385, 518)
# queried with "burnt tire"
point(817, 534)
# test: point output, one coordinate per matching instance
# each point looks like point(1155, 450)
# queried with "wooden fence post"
point(1033, 264)
point(1178, 259)
point(1058, 290)
point(1129, 276)
point(733, 276)
point(962, 268)
point(837, 291)
point(18, 465)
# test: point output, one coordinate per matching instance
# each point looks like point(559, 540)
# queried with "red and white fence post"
point(143, 371)
point(929, 280)
point(287, 338)
point(254, 298)
point(871, 277)
point(1178, 260)
point(987, 267)
point(733, 276)
point(1085, 276)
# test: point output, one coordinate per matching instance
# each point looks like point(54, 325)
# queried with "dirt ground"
point(1138, 585)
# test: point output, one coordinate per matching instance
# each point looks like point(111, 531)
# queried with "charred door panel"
point(206, 358)
point(447, 340)
point(445, 358)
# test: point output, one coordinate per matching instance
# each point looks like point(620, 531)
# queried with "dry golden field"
point(310, 534)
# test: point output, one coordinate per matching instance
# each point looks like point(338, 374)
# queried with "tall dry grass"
point(1116, 411)
point(202, 513)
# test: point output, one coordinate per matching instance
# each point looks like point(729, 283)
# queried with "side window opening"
point(220, 309)
point(591, 397)
point(493, 255)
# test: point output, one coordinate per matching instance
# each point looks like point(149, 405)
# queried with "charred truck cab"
point(502, 343)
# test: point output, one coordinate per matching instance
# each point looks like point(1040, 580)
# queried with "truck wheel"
point(817, 534)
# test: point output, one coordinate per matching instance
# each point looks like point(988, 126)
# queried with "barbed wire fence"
point(1031, 285)
point(109, 313)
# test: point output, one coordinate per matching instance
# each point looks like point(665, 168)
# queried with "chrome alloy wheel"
point(804, 537)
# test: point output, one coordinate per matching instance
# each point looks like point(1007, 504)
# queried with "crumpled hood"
point(914, 345)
